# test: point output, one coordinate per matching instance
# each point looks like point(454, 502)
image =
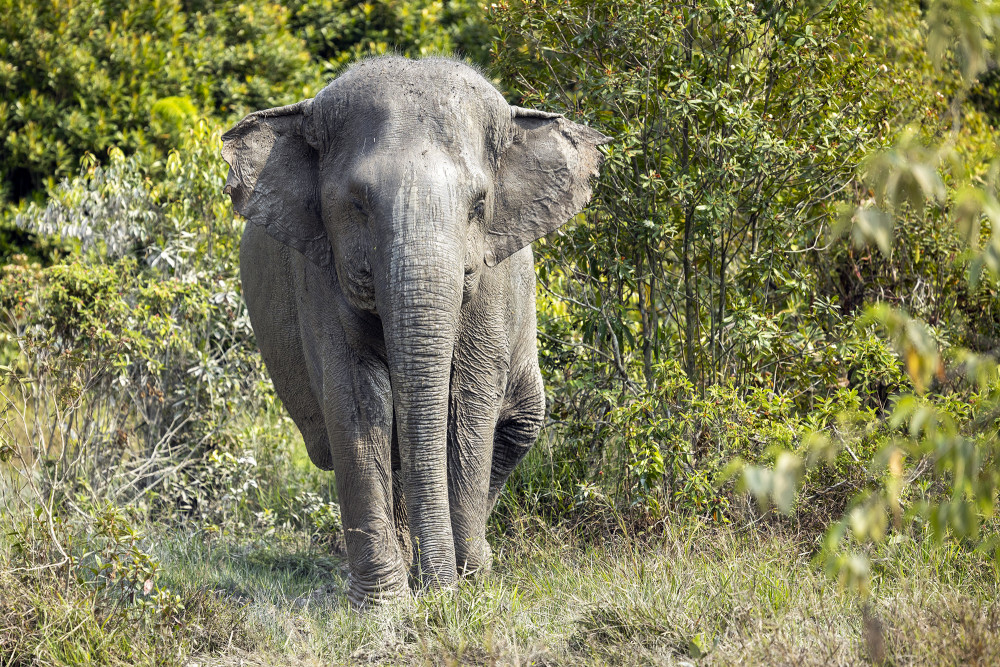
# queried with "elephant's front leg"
point(351, 383)
point(480, 370)
point(359, 421)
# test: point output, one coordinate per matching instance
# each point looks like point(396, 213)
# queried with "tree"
point(80, 77)
point(737, 126)
point(337, 31)
point(935, 464)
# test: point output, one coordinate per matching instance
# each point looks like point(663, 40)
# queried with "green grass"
point(695, 594)
point(687, 592)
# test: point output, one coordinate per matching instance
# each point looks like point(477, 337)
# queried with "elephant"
point(387, 270)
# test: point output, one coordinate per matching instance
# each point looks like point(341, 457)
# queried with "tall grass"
point(693, 592)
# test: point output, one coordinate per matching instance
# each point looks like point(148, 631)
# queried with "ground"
point(691, 594)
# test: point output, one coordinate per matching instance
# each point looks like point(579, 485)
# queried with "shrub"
point(735, 128)
point(81, 77)
point(337, 31)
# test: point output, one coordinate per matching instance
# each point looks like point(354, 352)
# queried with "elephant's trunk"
point(419, 305)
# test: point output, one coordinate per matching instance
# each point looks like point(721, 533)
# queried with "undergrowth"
point(695, 592)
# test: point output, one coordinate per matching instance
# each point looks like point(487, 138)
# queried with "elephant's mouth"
point(470, 282)
point(358, 284)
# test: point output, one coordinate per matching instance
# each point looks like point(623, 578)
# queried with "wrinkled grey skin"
point(387, 270)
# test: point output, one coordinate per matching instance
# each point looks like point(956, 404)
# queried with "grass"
point(694, 594)
point(687, 593)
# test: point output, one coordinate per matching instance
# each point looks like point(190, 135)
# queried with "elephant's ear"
point(543, 180)
point(274, 178)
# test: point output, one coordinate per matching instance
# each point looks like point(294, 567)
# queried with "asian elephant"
point(387, 269)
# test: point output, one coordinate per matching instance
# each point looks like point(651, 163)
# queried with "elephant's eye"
point(479, 210)
point(358, 205)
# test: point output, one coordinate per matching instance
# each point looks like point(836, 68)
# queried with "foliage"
point(735, 128)
point(131, 390)
point(172, 328)
point(81, 77)
point(785, 290)
point(724, 593)
point(339, 31)
point(939, 467)
point(179, 224)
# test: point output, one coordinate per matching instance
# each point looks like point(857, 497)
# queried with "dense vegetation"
point(770, 344)
point(83, 76)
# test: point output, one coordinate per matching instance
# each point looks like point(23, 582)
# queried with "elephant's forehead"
point(427, 78)
point(443, 98)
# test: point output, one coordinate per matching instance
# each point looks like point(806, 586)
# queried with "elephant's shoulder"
point(272, 266)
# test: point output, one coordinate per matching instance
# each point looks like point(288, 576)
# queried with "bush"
point(81, 77)
point(338, 31)
point(734, 128)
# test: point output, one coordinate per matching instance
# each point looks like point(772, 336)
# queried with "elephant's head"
point(411, 178)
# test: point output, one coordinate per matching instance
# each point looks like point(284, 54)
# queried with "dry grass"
point(690, 593)
point(696, 594)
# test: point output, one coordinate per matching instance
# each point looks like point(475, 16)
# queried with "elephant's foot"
point(474, 559)
point(426, 578)
point(364, 592)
